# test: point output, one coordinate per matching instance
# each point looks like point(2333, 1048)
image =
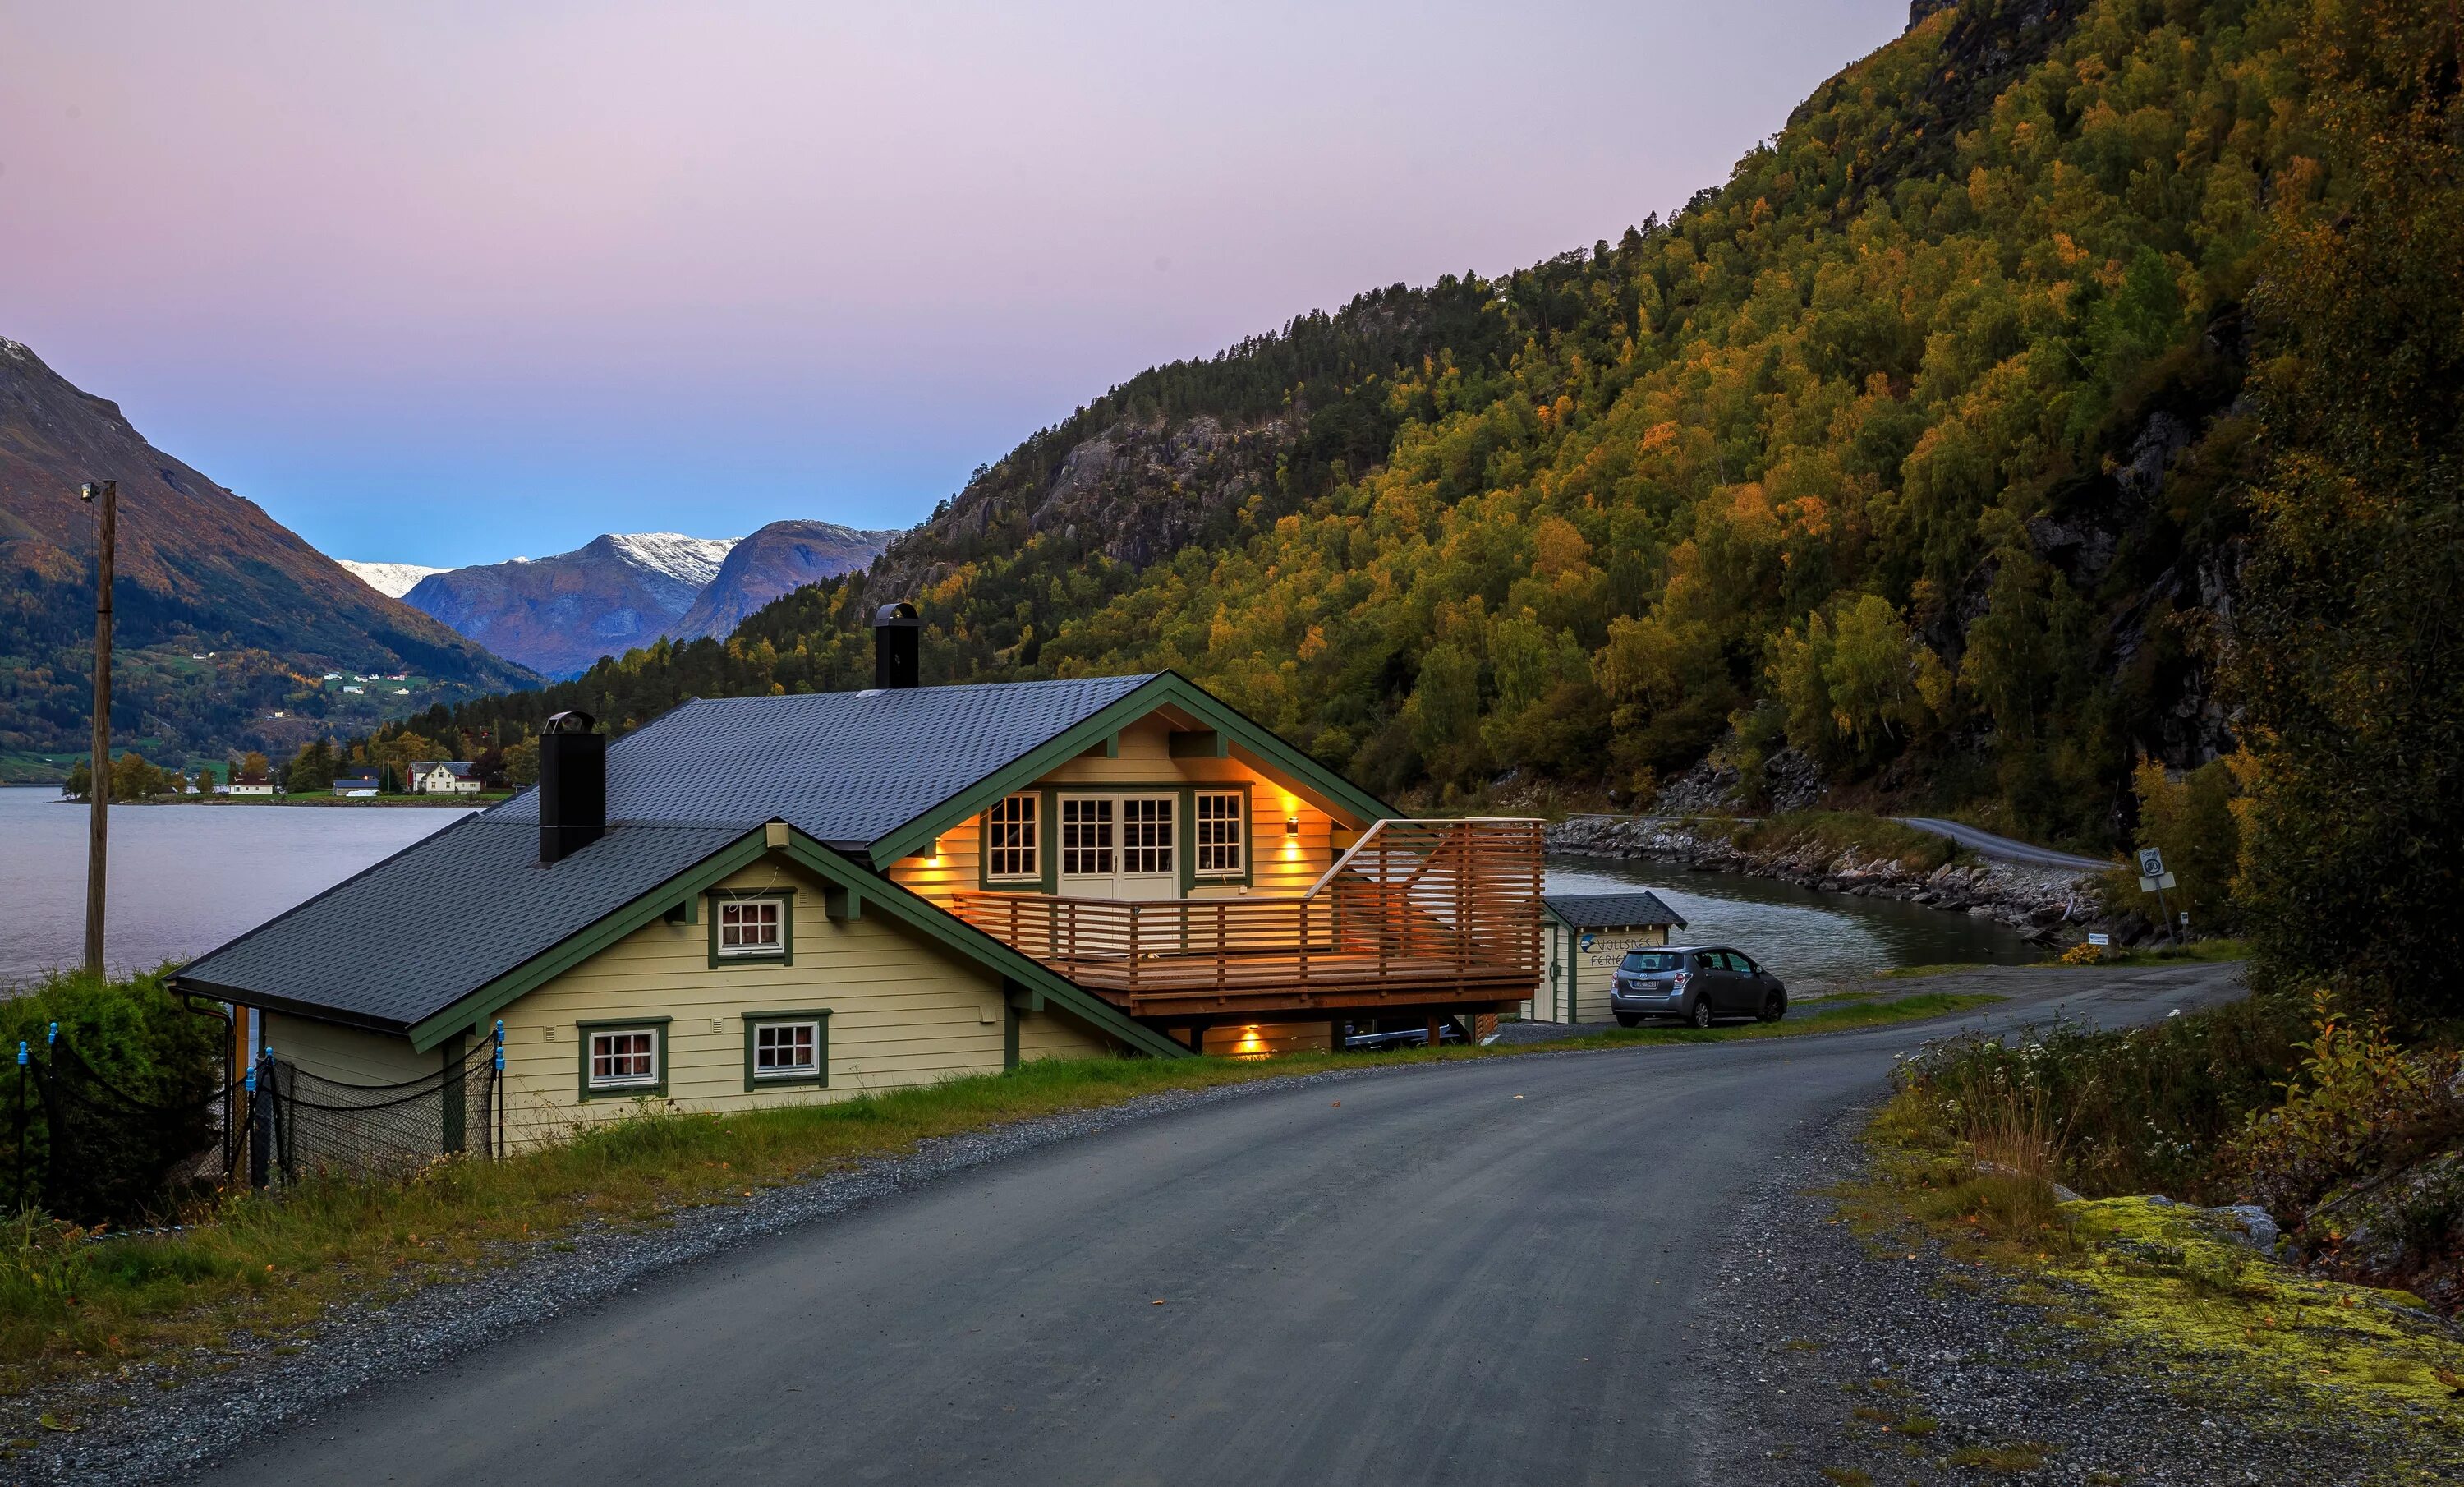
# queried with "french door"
point(1124, 846)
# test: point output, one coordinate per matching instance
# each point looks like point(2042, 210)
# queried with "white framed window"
point(1146, 834)
point(1086, 836)
point(1218, 833)
point(752, 926)
point(1014, 840)
point(786, 1048)
point(783, 1050)
point(623, 1059)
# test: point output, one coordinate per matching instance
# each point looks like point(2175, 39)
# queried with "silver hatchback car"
point(1695, 983)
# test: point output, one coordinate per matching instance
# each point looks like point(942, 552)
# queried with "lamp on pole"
point(106, 495)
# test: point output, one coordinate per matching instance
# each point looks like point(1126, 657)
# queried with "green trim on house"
point(784, 955)
point(1270, 753)
point(582, 1030)
point(903, 904)
point(820, 1016)
point(1009, 1038)
point(474, 1009)
point(456, 1117)
point(1041, 883)
point(1190, 876)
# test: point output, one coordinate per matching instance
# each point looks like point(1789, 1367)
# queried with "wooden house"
point(777, 899)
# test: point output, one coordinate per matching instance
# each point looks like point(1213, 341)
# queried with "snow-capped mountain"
point(558, 614)
point(689, 560)
point(623, 589)
point(392, 580)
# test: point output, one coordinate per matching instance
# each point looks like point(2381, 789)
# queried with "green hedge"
point(137, 1037)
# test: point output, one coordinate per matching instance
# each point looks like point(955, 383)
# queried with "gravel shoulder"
point(1830, 1358)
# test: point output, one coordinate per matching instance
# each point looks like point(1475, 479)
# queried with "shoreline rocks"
point(2052, 906)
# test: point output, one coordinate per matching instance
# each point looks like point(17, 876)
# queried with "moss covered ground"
point(2164, 1274)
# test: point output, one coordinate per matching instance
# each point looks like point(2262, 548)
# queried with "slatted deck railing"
point(1418, 903)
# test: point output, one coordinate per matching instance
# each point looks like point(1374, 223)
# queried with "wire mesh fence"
point(85, 1147)
point(308, 1125)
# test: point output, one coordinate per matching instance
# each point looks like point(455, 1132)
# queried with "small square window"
point(786, 1048)
point(754, 927)
point(625, 1058)
point(782, 1049)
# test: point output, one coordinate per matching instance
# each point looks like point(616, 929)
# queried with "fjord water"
point(1811, 939)
point(184, 879)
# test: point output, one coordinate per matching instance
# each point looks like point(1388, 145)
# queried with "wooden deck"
point(1418, 914)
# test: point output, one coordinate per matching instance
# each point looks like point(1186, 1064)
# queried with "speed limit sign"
point(2151, 862)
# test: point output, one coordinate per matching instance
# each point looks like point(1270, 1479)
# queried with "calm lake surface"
point(184, 879)
point(1810, 939)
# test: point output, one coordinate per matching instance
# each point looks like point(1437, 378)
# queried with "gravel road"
point(1986, 844)
point(1481, 1272)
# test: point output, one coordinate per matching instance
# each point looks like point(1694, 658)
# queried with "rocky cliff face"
point(782, 556)
point(206, 579)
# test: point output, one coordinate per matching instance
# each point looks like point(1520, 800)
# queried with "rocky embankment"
point(2053, 906)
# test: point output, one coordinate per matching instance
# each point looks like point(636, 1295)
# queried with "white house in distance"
point(441, 777)
point(250, 785)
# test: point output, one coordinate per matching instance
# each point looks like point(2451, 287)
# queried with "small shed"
point(1582, 938)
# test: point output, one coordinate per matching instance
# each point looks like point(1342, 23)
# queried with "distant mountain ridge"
point(626, 590)
point(558, 614)
point(781, 557)
point(225, 617)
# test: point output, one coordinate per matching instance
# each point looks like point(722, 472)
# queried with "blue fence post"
point(496, 1092)
point(17, 1194)
point(260, 1119)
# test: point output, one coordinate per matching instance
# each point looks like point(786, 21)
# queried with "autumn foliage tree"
point(2350, 642)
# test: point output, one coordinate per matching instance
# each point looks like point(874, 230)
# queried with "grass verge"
point(258, 1268)
point(2167, 1286)
point(2197, 952)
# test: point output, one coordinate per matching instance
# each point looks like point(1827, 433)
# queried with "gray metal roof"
point(844, 767)
point(436, 921)
point(1612, 909)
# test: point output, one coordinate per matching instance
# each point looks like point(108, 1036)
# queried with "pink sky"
point(445, 282)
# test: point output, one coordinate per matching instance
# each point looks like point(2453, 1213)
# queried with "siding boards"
point(903, 1012)
point(347, 1055)
point(1048, 1034)
point(1280, 866)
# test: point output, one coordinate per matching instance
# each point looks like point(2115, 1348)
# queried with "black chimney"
point(572, 785)
point(896, 633)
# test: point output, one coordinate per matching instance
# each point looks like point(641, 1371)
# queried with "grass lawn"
point(70, 1305)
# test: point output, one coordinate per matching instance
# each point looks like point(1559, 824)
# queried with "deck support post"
point(1437, 1023)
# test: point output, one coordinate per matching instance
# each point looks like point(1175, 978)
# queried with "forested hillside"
point(1916, 447)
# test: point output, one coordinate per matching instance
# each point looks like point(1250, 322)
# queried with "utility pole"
point(99, 788)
